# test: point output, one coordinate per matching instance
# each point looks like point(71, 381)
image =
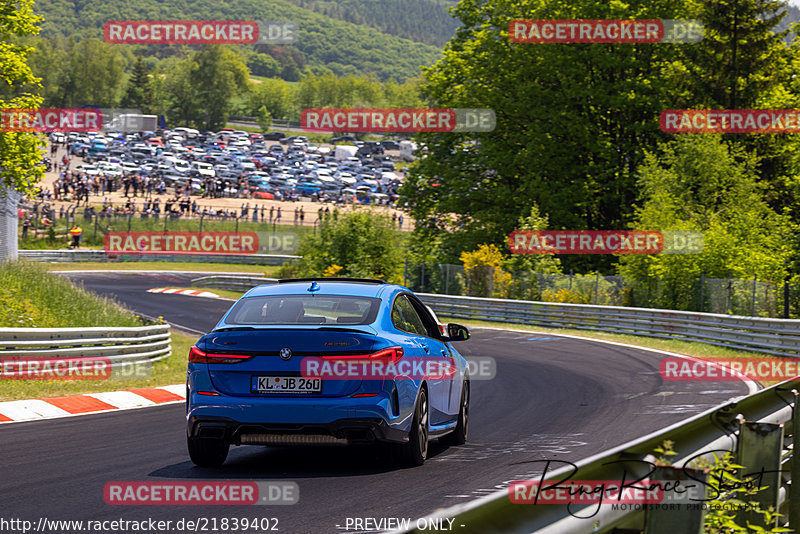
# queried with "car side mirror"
point(456, 332)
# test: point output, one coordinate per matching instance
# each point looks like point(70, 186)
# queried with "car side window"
point(431, 326)
point(408, 320)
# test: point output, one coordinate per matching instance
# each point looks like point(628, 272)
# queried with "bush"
point(360, 244)
point(484, 273)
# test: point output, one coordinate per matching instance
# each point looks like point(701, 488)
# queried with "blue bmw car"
point(326, 361)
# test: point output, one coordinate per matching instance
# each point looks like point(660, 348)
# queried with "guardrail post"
point(702, 292)
point(786, 298)
point(678, 512)
point(794, 490)
point(597, 287)
point(759, 454)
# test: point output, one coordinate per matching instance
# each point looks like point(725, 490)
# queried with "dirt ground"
point(117, 198)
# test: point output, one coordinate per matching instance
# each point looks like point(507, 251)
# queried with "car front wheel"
point(415, 452)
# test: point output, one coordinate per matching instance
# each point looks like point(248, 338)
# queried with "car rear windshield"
point(304, 309)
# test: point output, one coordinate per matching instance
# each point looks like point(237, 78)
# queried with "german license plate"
point(286, 384)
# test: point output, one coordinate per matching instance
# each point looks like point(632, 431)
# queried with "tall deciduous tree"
point(702, 183)
point(20, 153)
point(573, 121)
point(221, 74)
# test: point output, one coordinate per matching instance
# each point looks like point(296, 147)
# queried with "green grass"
point(266, 270)
point(30, 296)
point(171, 370)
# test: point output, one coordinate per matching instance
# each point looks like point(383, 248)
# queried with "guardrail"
point(73, 256)
point(120, 345)
point(753, 427)
point(232, 283)
point(780, 337)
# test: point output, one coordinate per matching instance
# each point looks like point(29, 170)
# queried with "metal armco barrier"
point(778, 337)
point(758, 428)
point(119, 344)
point(232, 283)
point(69, 256)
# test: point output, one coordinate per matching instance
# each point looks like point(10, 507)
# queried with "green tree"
point(139, 93)
point(221, 74)
point(573, 122)
point(274, 94)
point(20, 153)
point(95, 74)
point(175, 93)
point(264, 119)
point(363, 244)
point(263, 65)
point(702, 183)
point(741, 57)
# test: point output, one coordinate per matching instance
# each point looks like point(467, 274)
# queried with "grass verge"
point(32, 297)
point(168, 371)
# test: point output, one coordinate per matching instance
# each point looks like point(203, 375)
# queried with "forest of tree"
point(425, 21)
point(323, 43)
point(578, 139)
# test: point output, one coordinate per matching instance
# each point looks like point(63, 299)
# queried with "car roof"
point(338, 287)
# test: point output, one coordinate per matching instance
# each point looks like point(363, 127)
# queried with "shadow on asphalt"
point(251, 462)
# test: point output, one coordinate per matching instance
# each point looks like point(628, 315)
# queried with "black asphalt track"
point(553, 398)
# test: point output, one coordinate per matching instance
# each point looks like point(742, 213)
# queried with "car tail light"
point(198, 356)
point(392, 354)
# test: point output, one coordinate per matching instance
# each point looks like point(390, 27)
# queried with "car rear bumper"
point(339, 432)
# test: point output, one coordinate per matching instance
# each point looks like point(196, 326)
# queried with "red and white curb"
point(190, 292)
point(88, 403)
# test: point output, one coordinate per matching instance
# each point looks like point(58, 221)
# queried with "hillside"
point(343, 47)
point(425, 21)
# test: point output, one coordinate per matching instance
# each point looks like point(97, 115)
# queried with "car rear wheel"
point(416, 450)
point(208, 452)
point(459, 435)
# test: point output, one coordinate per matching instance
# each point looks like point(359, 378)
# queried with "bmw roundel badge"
point(286, 353)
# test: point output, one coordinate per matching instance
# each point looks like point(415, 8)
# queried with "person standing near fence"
point(76, 232)
point(278, 215)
